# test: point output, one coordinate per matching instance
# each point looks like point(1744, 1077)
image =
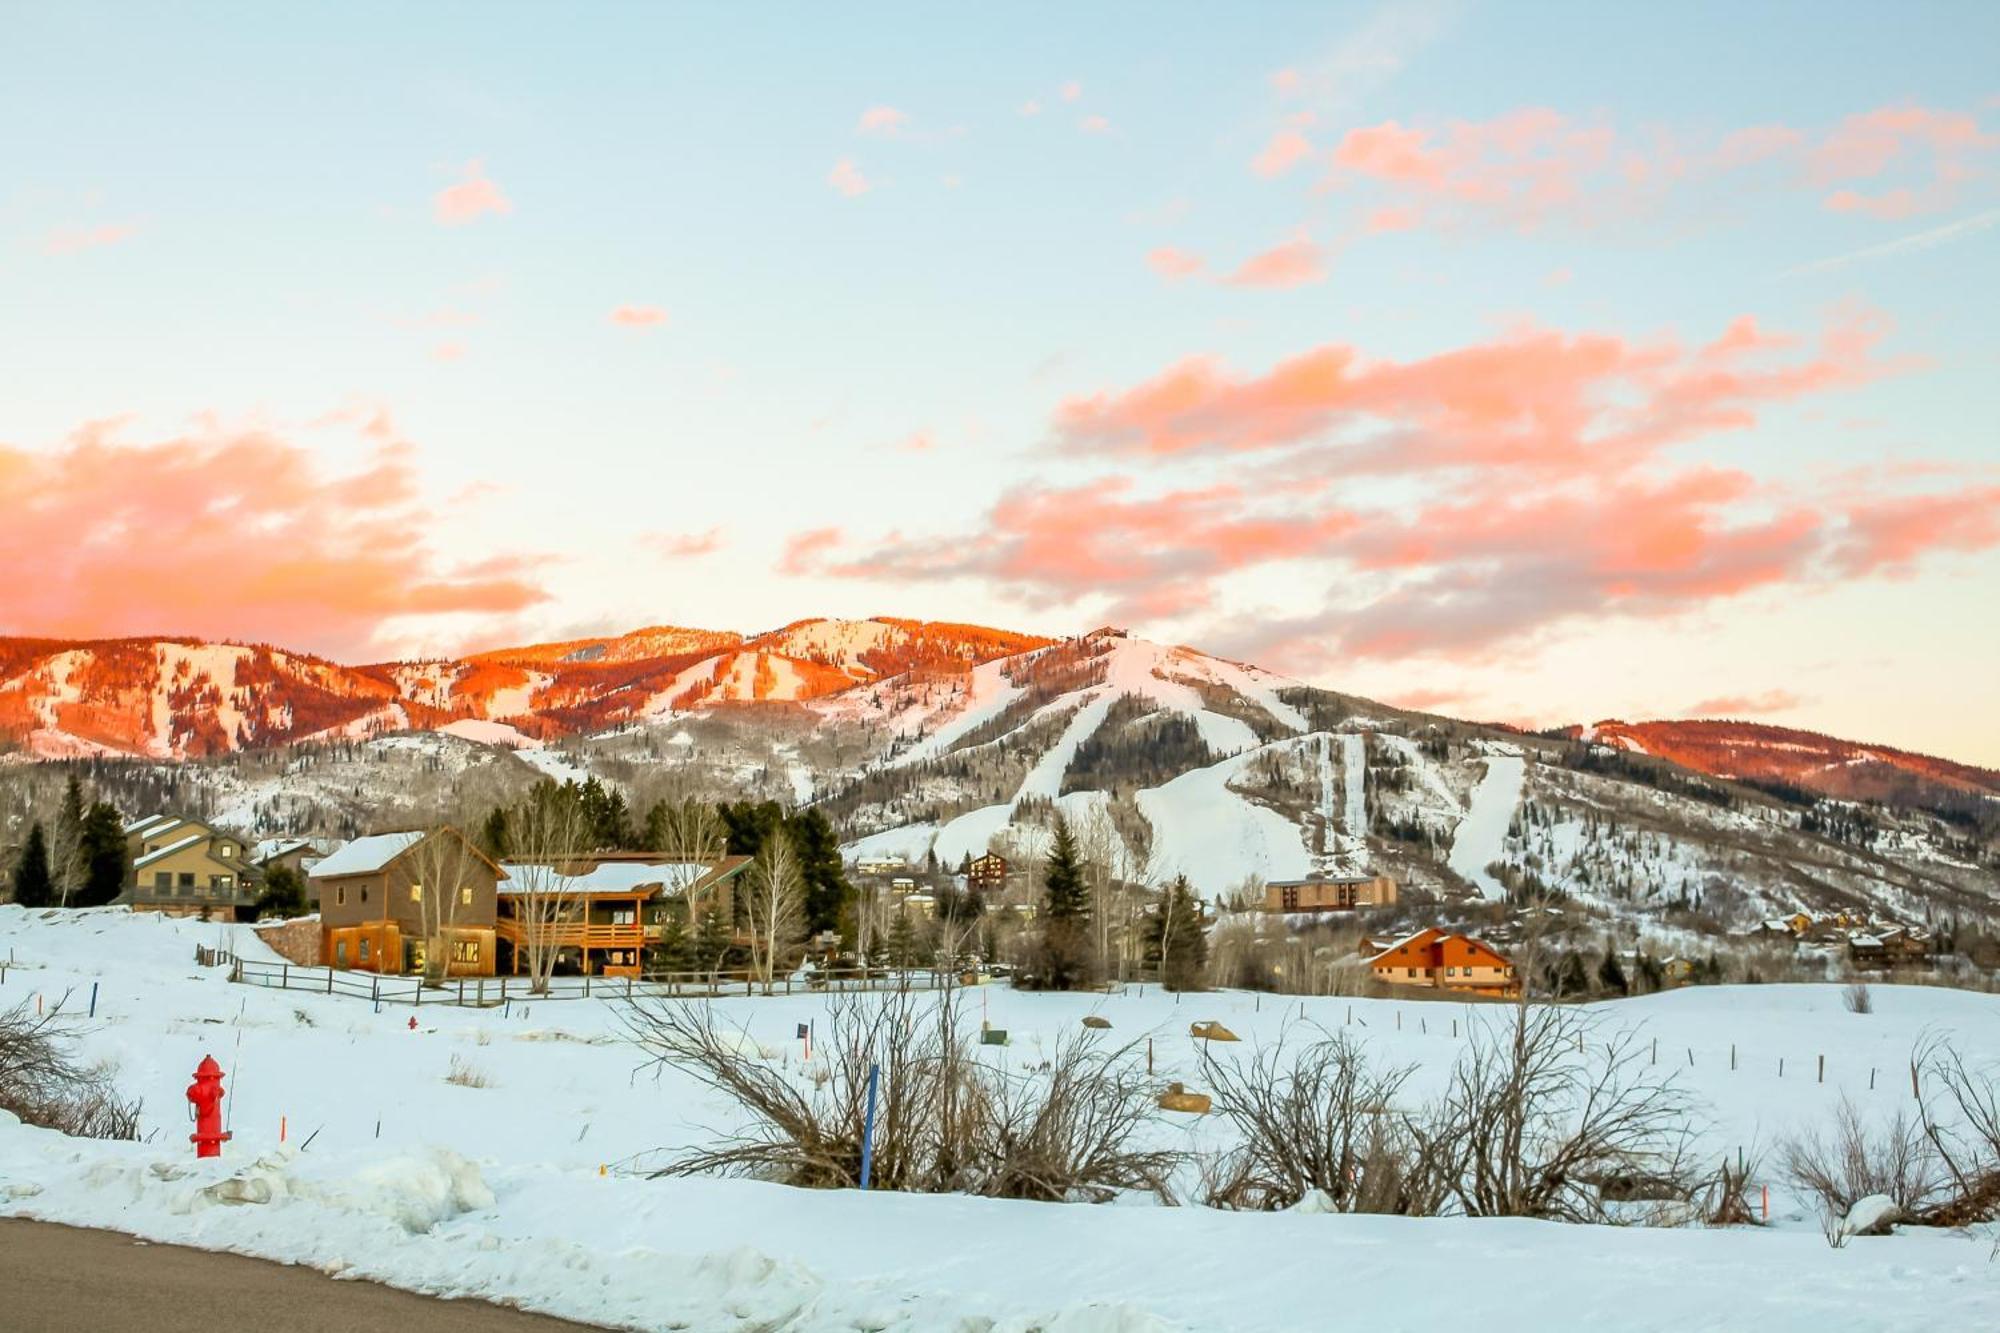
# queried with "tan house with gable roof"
point(182, 867)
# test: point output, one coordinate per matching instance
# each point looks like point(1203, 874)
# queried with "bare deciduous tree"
point(441, 865)
point(547, 836)
point(774, 903)
point(43, 1084)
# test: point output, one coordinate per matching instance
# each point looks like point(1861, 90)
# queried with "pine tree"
point(902, 946)
point(494, 834)
point(675, 950)
point(106, 861)
point(284, 893)
point(826, 889)
point(32, 886)
point(66, 867)
point(1611, 973)
point(712, 940)
point(1065, 962)
point(1176, 942)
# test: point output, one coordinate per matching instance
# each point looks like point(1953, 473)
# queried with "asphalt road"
point(56, 1279)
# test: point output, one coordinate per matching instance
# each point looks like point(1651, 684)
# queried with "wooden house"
point(601, 912)
point(1442, 961)
point(379, 895)
point(987, 873)
point(183, 867)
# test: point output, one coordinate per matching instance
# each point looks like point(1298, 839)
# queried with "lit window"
point(465, 896)
point(465, 951)
point(227, 851)
point(416, 893)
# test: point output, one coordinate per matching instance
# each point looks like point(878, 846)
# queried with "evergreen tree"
point(712, 940)
point(1065, 962)
point(1176, 942)
point(32, 886)
point(105, 859)
point(675, 950)
point(284, 893)
point(827, 893)
point(494, 835)
point(902, 947)
point(1611, 973)
point(66, 868)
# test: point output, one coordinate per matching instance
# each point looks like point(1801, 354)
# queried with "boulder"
point(1212, 1031)
point(1178, 1098)
point(1872, 1216)
point(1096, 1021)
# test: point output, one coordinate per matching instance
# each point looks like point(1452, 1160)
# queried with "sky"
point(1528, 363)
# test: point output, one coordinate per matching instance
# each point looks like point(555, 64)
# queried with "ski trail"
point(1481, 836)
point(1354, 769)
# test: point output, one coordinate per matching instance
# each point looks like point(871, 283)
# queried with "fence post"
point(284, 976)
point(1822, 1068)
point(329, 981)
point(461, 992)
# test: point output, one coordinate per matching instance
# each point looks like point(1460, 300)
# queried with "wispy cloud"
point(75, 240)
point(639, 316)
point(847, 178)
point(474, 196)
point(1922, 240)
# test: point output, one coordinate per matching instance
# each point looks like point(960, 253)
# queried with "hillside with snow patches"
point(929, 739)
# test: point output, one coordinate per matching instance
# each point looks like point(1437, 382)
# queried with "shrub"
point(944, 1121)
point(1851, 1162)
point(42, 1083)
point(1857, 998)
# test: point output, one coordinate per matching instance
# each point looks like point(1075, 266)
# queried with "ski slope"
point(1481, 836)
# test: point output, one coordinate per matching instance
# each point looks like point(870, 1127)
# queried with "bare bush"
point(1858, 999)
point(1724, 1197)
point(1324, 1121)
point(944, 1121)
point(42, 1083)
point(1852, 1161)
point(465, 1074)
point(1959, 1115)
point(1543, 1119)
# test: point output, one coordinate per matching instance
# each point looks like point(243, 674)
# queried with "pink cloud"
point(1745, 705)
point(1287, 149)
point(639, 316)
point(883, 120)
point(917, 442)
point(1071, 91)
point(1031, 107)
point(1294, 263)
point(448, 351)
point(802, 550)
point(846, 177)
point(75, 240)
point(683, 545)
point(1889, 534)
point(1172, 263)
point(152, 538)
point(1531, 397)
point(1286, 81)
point(1094, 125)
point(470, 199)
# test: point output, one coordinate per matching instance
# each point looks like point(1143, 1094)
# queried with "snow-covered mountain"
point(941, 740)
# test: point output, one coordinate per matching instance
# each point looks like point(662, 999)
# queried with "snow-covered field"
point(497, 1190)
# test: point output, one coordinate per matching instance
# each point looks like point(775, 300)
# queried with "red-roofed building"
point(1443, 961)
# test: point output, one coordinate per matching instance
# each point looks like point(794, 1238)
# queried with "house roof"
point(157, 826)
point(624, 876)
point(267, 848)
point(140, 825)
point(150, 857)
point(365, 856)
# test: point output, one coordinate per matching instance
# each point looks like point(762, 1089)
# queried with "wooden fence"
point(488, 992)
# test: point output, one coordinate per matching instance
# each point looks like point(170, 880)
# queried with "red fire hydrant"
point(205, 1094)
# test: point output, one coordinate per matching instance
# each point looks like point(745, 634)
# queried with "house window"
point(163, 880)
point(1410, 971)
point(465, 896)
point(340, 895)
point(416, 893)
point(187, 879)
point(623, 916)
point(221, 881)
point(340, 953)
point(364, 948)
point(364, 893)
point(465, 951)
point(227, 851)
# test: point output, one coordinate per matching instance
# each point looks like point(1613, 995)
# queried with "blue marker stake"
point(868, 1127)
